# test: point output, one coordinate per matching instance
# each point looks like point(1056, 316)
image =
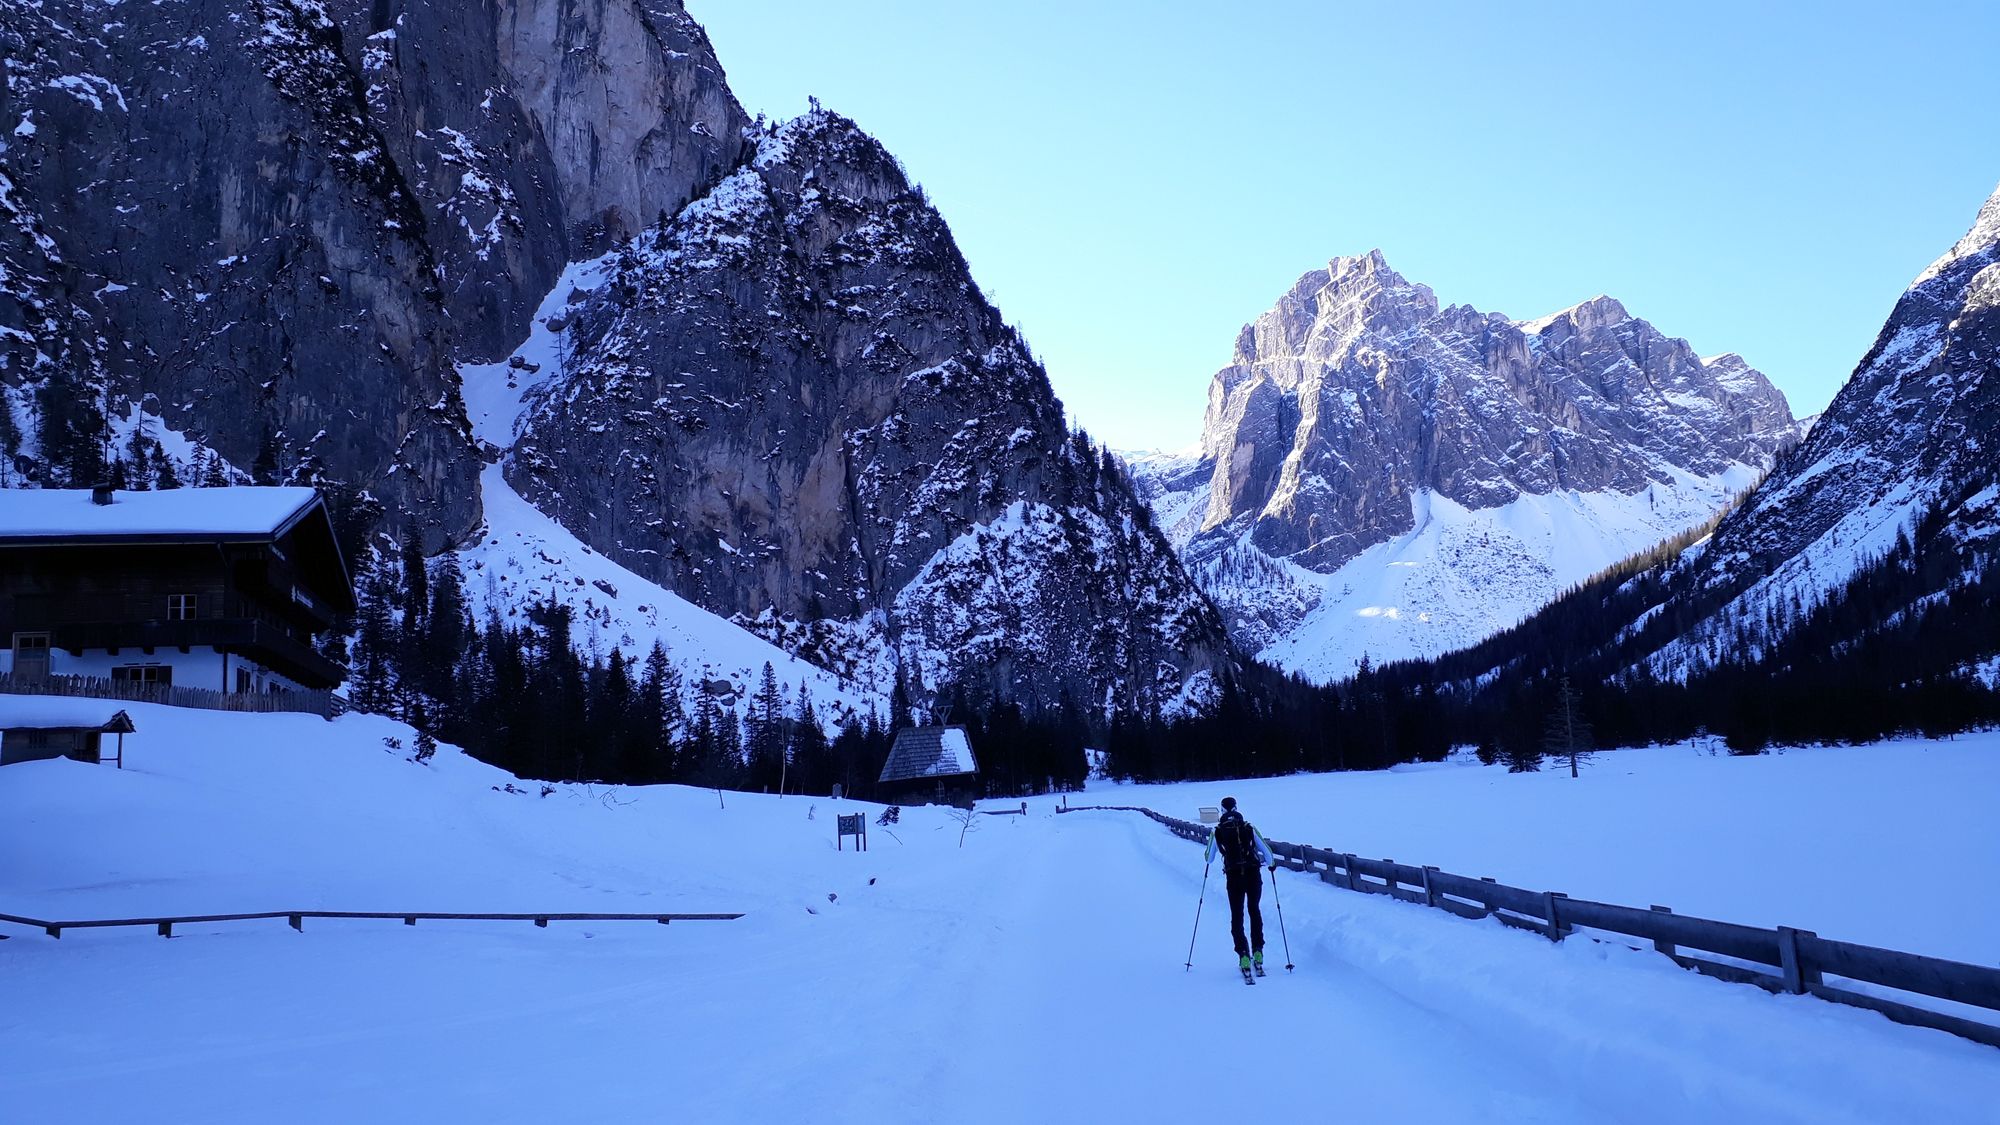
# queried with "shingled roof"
point(926, 752)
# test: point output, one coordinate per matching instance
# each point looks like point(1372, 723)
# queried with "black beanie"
point(1229, 802)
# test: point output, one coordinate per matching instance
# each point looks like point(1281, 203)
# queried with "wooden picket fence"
point(1782, 960)
point(325, 704)
point(297, 919)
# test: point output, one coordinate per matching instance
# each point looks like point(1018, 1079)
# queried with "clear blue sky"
point(1133, 181)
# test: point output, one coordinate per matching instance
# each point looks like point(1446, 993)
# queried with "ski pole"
point(1197, 913)
point(1281, 919)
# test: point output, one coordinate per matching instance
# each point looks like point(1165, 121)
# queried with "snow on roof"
point(46, 712)
point(47, 513)
point(929, 752)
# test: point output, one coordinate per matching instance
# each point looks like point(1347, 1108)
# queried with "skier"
point(1244, 856)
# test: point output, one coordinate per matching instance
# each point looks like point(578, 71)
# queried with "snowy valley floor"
point(1035, 973)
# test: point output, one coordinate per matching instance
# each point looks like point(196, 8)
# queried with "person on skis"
point(1244, 856)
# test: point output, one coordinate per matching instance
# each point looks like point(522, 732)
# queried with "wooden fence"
point(325, 704)
point(297, 919)
point(1784, 959)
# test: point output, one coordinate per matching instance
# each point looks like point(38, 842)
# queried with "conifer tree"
point(164, 474)
point(1568, 733)
point(10, 438)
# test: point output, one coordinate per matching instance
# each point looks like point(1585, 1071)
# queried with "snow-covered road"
point(1034, 973)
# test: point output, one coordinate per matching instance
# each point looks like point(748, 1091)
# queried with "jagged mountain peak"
point(1359, 417)
point(1598, 312)
point(1983, 240)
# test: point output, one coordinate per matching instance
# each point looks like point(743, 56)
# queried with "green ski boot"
point(1257, 962)
point(1244, 964)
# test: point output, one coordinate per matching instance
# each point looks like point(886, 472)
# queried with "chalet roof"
point(43, 712)
point(238, 512)
point(925, 752)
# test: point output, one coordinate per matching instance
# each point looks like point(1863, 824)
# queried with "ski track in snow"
point(1036, 970)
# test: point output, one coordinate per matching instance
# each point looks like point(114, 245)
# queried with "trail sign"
point(855, 826)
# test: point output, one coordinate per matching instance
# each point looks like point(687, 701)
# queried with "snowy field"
point(1871, 844)
point(1034, 972)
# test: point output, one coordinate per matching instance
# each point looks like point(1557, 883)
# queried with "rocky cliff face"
point(220, 227)
point(278, 224)
point(284, 228)
point(1382, 476)
point(791, 405)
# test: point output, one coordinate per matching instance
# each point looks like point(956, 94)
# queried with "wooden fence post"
point(1557, 931)
point(1799, 976)
point(1347, 861)
point(1666, 947)
point(298, 922)
point(1391, 876)
point(1430, 889)
point(166, 929)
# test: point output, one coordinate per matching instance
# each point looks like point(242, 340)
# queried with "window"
point(31, 656)
point(243, 679)
point(162, 674)
point(180, 607)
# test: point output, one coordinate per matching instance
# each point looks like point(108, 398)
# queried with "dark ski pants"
point(1246, 887)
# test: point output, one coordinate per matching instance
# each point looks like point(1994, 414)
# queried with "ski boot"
point(1257, 962)
point(1244, 963)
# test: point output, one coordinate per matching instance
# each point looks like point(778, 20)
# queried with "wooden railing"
point(297, 919)
point(325, 704)
point(1784, 959)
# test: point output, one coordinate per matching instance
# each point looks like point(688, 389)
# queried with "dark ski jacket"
point(1256, 838)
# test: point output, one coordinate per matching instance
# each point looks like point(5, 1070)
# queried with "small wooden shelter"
point(930, 765)
point(37, 728)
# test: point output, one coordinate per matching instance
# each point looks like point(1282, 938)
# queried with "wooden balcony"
point(261, 641)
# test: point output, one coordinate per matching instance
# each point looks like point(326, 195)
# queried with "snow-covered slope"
point(880, 986)
point(1462, 575)
point(523, 558)
point(1906, 449)
point(1382, 476)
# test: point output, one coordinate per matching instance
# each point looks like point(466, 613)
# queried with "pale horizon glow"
point(1133, 182)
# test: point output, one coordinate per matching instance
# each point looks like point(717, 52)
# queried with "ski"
point(1247, 978)
point(1260, 969)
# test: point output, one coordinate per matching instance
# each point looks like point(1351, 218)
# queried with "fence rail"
point(297, 919)
point(323, 703)
point(1789, 960)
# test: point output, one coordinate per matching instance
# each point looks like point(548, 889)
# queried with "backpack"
point(1237, 841)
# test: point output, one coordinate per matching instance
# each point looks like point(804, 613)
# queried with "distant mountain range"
point(1380, 477)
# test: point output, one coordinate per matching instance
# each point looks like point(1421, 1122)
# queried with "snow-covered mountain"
point(791, 404)
point(1382, 477)
point(744, 364)
point(1905, 453)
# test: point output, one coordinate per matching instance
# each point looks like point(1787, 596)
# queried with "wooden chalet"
point(930, 765)
point(223, 589)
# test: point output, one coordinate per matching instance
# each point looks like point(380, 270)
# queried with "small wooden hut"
point(37, 728)
point(930, 765)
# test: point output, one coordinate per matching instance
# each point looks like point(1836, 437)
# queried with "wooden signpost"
point(855, 826)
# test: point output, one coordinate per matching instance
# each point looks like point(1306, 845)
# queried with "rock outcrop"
point(792, 405)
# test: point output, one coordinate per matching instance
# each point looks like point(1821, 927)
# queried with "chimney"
point(101, 494)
